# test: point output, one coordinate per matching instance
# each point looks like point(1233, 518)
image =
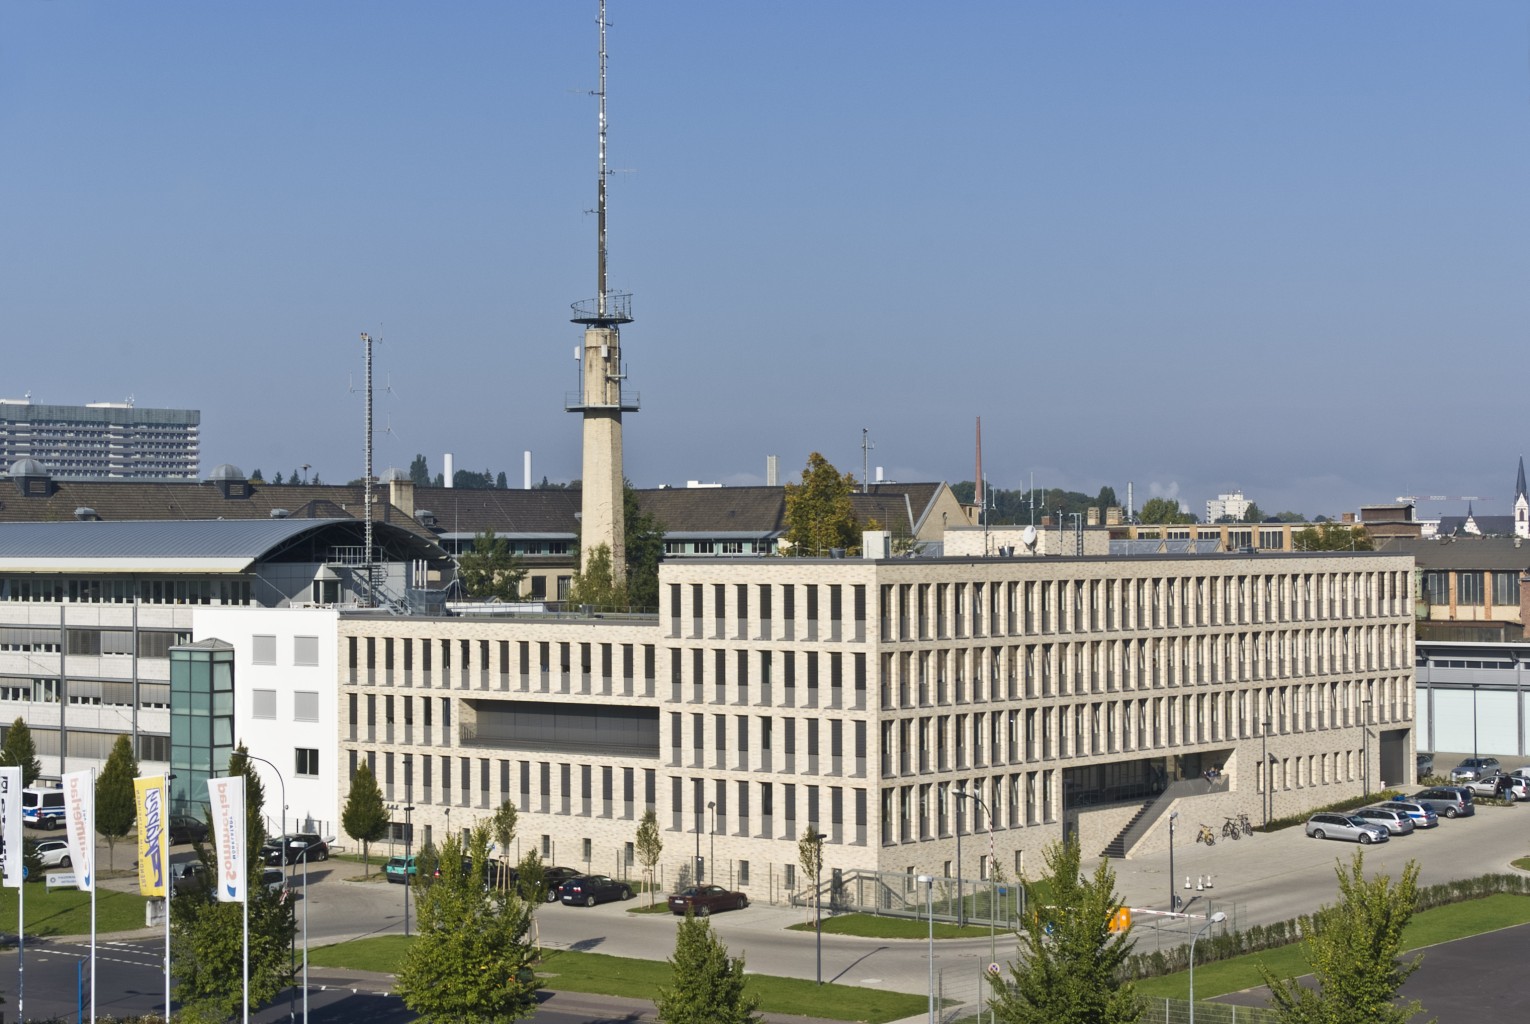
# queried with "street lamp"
point(1216, 918)
point(992, 876)
point(280, 856)
point(712, 835)
point(408, 838)
point(961, 902)
point(1173, 896)
point(697, 863)
point(1365, 748)
point(817, 838)
point(929, 895)
point(296, 845)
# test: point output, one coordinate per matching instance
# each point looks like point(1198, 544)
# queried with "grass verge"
point(871, 926)
point(599, 974)
point(67, 911)
point(657, 908)
point(1442, 924)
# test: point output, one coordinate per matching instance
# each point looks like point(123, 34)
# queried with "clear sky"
point(1280, 247)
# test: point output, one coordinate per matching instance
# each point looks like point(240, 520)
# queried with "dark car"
point(588, 890)
point(553, 878)
point(188, 876)
point(291, 849)
point(186, 829)
point(702, 900)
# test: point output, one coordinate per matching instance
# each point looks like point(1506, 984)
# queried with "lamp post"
point(697, 862)
point(408, 838)
point(928, 881)
point(1173, 896)
point(295, 846)
point(1365, 748)
point(1264, 768)
point(992, 865)
point(818, 896)
point(961, 902)
point(712, 836)
point(1216, 918)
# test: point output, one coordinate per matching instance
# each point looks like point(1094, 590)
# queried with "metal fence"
point(1177, 1011)
point(898, 894)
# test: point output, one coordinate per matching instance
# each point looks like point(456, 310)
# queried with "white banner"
point(10, 827)
point(80, 827)
point(226, 796)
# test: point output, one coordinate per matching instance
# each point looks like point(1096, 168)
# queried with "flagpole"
point(92, 839)
point(164, 847)
point(246, 954)
point(21, 946)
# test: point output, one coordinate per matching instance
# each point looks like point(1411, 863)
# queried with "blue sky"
point(1189, 246)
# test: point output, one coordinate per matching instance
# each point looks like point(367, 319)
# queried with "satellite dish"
point(1028, 536)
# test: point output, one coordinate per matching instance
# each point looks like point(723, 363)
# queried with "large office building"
point(100, 441)
point(1058, 696)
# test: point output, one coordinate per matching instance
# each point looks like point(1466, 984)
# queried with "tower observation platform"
point(616, 309)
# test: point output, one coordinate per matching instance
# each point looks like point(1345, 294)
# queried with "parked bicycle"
point(1245, 824)
point(1205, 835)
point(1231, 829)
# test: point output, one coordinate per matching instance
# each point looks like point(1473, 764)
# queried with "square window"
point(305, 706)
point(307, 761)
point(305, 650)
point(264, 704)
point(263, 650)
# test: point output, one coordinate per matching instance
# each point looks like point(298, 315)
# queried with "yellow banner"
point(153, 850)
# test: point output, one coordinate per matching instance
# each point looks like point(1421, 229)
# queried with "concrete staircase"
point(1152, 810)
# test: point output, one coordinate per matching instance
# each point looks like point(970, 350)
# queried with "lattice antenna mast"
point(366, 556)
point(600, 210)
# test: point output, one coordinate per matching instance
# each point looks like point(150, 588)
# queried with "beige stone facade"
point(861, 695)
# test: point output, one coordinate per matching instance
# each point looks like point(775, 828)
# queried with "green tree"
point(1072, 974)
point(20, 750)
point(596, 585)
point(471, 963)
point(502, 828)
point(490, 569)
point(278, 480)
point(207, 938)
point(1163, 510)
point(1354, 950)
point(419, 472)
point(819, 514)
point(810, 857)
point(645, 550)
point(1332, 537)
point(116, 801)
point(364, 818)
point(1106, 499)
point(500, 481)
point(1253, 514)
point(709, 985)
point(531, 885)
point(256, 478)
point(1290, 517)
point(649, 846)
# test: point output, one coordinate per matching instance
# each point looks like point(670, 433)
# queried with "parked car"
point(702, 900)
point(1424, 763)
point(291, 849)
point(400, 870)
point(1446, 801)
point(54, 853)
point(188, 876)
point(1345, 826)
point(1474, 768)
point(273, 879)
point(1396, 820)
point(1423, 817)
point(554, 878)
point(588, 890)
point(186, 829)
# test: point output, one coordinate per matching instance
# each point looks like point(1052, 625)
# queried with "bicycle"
point(1205, 835)
point(1230, 830)
point(1245, 824)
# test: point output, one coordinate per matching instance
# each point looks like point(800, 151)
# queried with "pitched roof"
point(1462, 552)
point(1519, 482)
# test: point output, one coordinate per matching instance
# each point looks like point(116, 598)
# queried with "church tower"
point(1521, 503)
point(600, 399)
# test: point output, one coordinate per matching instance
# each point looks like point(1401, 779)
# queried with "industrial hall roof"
point(189, 546)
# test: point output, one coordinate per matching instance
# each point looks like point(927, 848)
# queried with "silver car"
point(1328, 825)
point(1446, 801)
point(1395, 819)
point(1423, 817)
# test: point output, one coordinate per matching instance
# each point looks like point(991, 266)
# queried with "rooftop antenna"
point(366, 485)
point(867, 444)
point(978, 491)
point(600, 272)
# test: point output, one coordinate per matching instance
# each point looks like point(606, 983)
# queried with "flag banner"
point(226, 795)
point(153, 847)
point(80, 827)
point(10, 827)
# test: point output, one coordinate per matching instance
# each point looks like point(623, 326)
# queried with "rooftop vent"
point(425, 516)
point(279, 513)
point(84, 513)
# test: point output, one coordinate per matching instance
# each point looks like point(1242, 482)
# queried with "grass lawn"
point(641, 979)
point(67, 911)
point(1442, 924)
point(873, 927)
point(657, 908)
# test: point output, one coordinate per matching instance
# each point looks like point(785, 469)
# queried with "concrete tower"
point(600, 399)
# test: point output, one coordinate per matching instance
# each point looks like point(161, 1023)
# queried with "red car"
point(704, 899)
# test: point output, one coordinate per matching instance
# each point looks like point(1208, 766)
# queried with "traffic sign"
point(993, 969)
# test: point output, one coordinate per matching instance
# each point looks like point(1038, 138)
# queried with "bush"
point(1352, 804)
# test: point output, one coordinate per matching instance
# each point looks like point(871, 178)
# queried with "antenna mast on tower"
point(600, 208)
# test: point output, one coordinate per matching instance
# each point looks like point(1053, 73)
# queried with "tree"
point(207, 938)
point(810, 856)
point(419, 471)
point(21, 751)
point(116, 801)
point(1354, 951)
point(256, 478)
point(1069, 963)
point(278, 480)
point(819, 515)
point(501, 482)
point(1252, 514)
point(490, 569)
point(1332, 537)
point(502, 828)
point(1163, 510)
point(471, 963)
point(1107, 499)
point(645, 550)
point(649, 846)
point(709, 985)
point(1289, 517)
point(595, 584)
point(364, 818)
point(531, 885)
